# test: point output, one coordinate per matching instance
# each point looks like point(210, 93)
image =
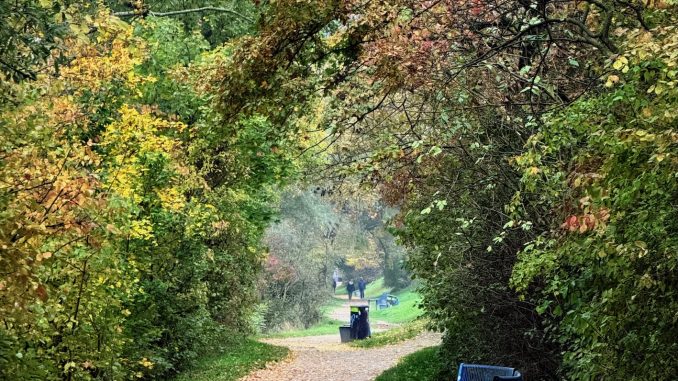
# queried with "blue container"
point(472, 372)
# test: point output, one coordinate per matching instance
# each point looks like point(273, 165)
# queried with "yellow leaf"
point(620, 63)
point(611, 80)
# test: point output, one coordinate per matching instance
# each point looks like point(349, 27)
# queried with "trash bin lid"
point(359, 310)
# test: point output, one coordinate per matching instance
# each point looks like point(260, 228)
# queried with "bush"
point(606, 271)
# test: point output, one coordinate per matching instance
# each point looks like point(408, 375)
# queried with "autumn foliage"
point(529, 148)
point(120, 258)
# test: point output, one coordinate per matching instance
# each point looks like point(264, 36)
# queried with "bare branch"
point(182, 12)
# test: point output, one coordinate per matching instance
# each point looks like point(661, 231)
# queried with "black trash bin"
point(345, 333)
point(360, 322)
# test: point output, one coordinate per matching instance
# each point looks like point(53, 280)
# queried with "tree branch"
point(182, 12)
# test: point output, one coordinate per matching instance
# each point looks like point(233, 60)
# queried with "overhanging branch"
point(181, 12)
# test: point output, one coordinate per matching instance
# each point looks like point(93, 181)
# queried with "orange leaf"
point(41, 291)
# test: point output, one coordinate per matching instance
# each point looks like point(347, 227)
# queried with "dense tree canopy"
point(527, 149)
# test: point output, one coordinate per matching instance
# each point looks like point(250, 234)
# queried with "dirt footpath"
point(324, 358)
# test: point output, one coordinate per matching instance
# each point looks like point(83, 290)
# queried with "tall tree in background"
point(303, 250)
point(314, 233)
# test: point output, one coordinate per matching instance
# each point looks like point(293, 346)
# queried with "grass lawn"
point(406, 311)
point(324, 327)
point(423, 365)
point(376, 288)
point(392, 336)
point(234, 364)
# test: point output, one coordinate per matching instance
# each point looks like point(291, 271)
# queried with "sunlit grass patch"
point(423, 365)
point(406, 310)
point(234, 363)
point(404, 332)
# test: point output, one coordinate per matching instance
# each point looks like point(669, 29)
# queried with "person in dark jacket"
point(350, 288)
point(361, 287)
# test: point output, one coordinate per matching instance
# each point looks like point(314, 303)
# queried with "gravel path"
point(324, 358)
point(343, 312)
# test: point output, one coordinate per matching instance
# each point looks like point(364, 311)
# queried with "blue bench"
point(473, 372)
point(386, 300)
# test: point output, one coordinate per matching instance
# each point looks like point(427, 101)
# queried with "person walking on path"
point(350, 288)
point(361, 287)
point(334, 286)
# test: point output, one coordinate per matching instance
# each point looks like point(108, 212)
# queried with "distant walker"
point(350, 288)
point(361, 287)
